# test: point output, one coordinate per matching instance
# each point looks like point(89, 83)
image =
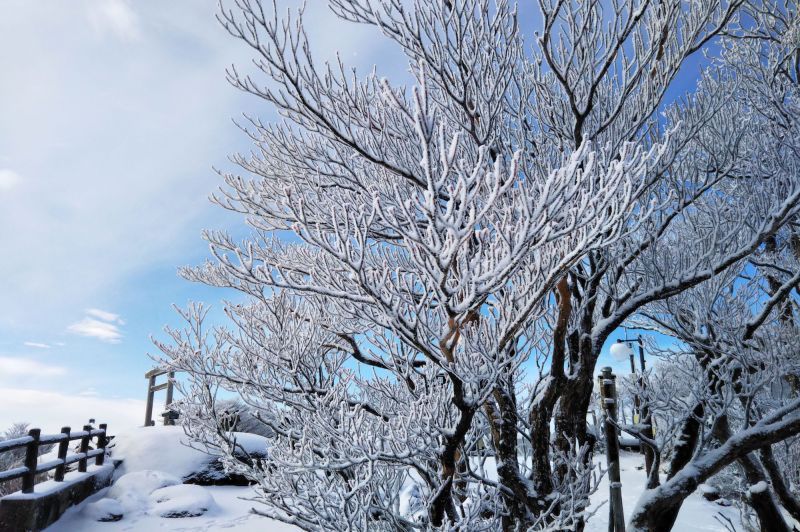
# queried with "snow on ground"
point(147, 493)
point(231, 512)
point(104, 510)
point(696, 515)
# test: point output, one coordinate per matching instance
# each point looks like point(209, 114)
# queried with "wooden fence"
point(34, 439)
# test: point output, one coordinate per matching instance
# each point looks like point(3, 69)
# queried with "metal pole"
point(636, 409)
point(609, 398)
point(641, 354)
point(645, 417)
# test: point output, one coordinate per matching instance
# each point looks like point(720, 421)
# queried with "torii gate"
point(152, 388)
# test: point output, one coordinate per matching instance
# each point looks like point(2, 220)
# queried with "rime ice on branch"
point(465, 247)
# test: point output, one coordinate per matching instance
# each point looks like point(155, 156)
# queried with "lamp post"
point(619, 351)
point(608, 396)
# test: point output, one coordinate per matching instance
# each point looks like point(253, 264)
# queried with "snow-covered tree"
point(738, 331)
point(716, 403)
point(462, 249)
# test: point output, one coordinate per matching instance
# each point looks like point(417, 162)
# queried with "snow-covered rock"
point(152, 492)
point(104, 510)
point(231, 513)
point(758, 487)
point(183, 500)
point(157, 448)
point(709, 492)
point(133, 490)
point(153, 483)
point(249, 447)
point(165, 448)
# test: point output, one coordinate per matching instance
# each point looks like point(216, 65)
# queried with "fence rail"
point(35, 438)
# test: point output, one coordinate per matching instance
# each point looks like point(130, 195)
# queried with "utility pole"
point(608, 395)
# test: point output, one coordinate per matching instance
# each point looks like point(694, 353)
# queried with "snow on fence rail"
point(34, 439)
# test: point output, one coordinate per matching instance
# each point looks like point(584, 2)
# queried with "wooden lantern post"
point(152, 388)
point(608, 395)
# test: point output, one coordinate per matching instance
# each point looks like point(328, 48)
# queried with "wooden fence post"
point(84, 448)
point(102, 441)
point(168, 420)
point(148, 413)
point(31, 460)
point(608, 393)
point(63, 446)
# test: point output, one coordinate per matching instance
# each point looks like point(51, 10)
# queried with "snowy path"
point(697, 514)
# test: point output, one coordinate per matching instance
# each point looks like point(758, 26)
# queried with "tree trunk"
point(786, 497)
point(570, 419)
point(541, 471)
point(443, 504)
point(762, 502)
point(570, 425)
point(541, 411)
point(687, 441)
point(502, 416)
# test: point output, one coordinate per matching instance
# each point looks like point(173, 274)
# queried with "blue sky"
point(113, 114)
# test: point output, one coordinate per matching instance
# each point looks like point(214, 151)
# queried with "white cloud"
point(106, 332)
point(115, 16)
point(25, 368)
point(38, 345)
point(80, 231)
point(104, 315)
point(50, 410)
point(8, 179)
point(124, 195)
